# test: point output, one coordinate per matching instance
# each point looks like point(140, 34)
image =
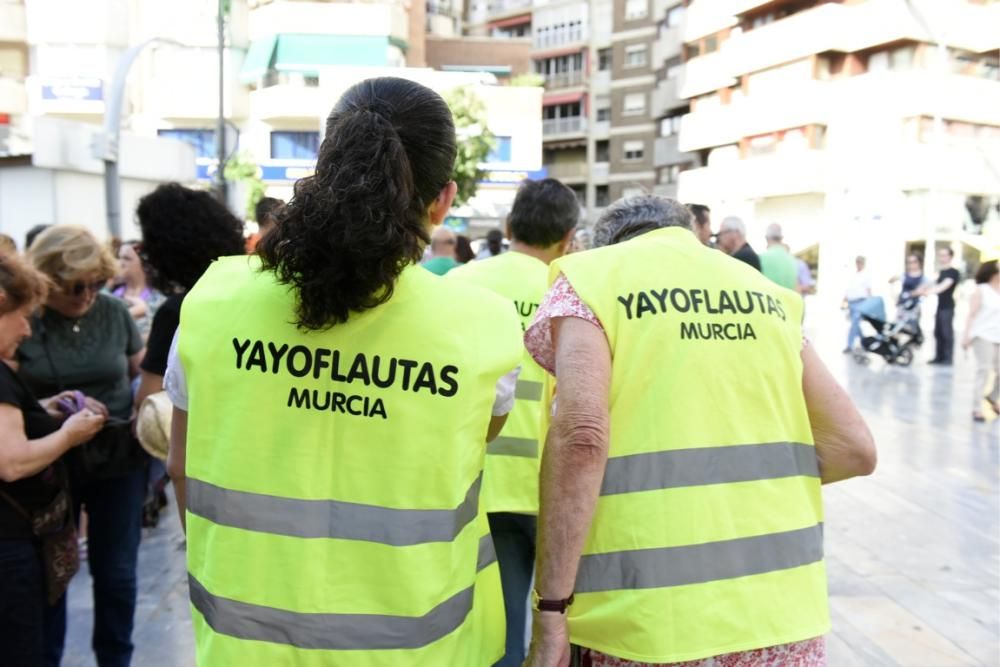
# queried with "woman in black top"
point(32, 438)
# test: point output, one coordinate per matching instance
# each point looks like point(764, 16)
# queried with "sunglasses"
point(78, 288)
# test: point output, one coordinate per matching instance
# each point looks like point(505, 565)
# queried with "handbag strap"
point(16, 505)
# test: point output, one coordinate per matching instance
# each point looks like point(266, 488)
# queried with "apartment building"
point(285, 64)
point(863, 127)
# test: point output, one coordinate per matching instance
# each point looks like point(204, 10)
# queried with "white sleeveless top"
point(986, 325)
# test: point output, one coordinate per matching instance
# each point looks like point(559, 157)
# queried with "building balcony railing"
point(569, 171)
point(564, 79)
point(666, 97)
point(547, 39)
point(504, 7)
point(569, 125)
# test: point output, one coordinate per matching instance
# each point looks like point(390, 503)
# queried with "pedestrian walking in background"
point(493, 245)
point(776, 262)
point(805, 283)
point(444, 245)
point(684, 559)
point(541, 226)
point(944, 330)
point(982, 334)
point(141, 299)
point(33, 481)
point(702, 222)
point(85, 340)
point(266, 215)
point(333, 401)
point(183, 232)
point(463, 249)
point(732, 240)
point(859, 289)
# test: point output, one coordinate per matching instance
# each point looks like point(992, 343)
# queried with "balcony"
point(569, 172)
point(666, 97)
point(290, 101)
point(557, 127)
point(502, 8)
point(600, 80)
point(667, 151)
point(600, 172)
point(13, 97)
point(706, 18)
point(13, 27)
point(549, 37)
point(565, 79)
point(666, 46)
point(706, 74)
point(665, 190)
point(756, 178)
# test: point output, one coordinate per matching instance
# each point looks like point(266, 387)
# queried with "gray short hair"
point(774, 232)
point(633, 216)
point(733, 224)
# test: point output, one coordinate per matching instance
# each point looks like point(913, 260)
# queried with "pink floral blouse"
point(563, 301)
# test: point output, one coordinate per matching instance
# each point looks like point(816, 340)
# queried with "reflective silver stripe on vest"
point(526, 390)
point(508, 446)
point(333, 632)
point(699, 563)
point(708, 465)
point(329, 518)
point(487, 553)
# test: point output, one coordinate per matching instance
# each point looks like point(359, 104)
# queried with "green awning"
point(258, 59)
point(306, 53)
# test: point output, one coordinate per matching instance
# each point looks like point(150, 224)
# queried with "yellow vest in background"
point(708, 534)
point(333, 477)
point(510, 483)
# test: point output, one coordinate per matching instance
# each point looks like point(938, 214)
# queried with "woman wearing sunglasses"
point(85, 340)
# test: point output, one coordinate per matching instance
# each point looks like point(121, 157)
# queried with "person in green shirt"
point(443, 244)
point(776, 262)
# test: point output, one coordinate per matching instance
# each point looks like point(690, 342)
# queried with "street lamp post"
point(220, 132)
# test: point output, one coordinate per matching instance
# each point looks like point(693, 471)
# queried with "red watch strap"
point(555, 605)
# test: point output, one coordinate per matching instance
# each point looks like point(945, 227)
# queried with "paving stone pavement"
point(913, 552)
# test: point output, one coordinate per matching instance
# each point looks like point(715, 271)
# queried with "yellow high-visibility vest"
point(333, 476)
point(510, 483)
point(708, 534)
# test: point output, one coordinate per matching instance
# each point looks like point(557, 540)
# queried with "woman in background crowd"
point(463, 249)
point(32, 439)
point(982, 334)
point(142, 299)
point(86, 340)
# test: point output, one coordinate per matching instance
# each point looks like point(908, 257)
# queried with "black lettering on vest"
point(748, 332)
point(350, 406)
point(697, 298)
point(716, 330)
point(708, 304)
point(299, 399)
point(449, 384)
point(680, 300)
point(390, 377)
point(781, 310)
point(407, 366)
point(338, 402)
point(661, 297)
point(325, 404)
point(425, 379)
point(760, 300)
point(359, 370)
point(688, 330)
point(240, 349)
point(378, 409)
point(747, 309)
point(321, 362)
point(704, 331)
point(335, 373)
point(772, 309)
point(628, 304)
point(257, 357)
point(732, 331)
point(525, 308)
point(276, 354)
point(643, 305)
point(299, 370)
point(725, 303)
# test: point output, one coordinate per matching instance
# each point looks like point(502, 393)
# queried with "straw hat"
point(153, 424)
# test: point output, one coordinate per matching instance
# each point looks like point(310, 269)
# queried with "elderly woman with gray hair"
point(681, 515)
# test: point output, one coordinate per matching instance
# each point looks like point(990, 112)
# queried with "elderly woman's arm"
point(844, 445)
point(20, 457)
point(573, 463)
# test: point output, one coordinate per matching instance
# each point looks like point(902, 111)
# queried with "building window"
point(633, 150)
point(711, 44)
point(581, 193)
point(635, 55)
point(202, 140)
point(634, 191)
point(602, 197)
point(670, 126)
point(674, 16)
point(602, 152)
point(603, 114)
point(294, 145)
point(673, 68)
point(634, 104)
point(669, 175)
point(604, 60)
point(501, 150)
point(636, 9)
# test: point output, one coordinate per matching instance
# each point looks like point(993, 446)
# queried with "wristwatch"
point(559, 606)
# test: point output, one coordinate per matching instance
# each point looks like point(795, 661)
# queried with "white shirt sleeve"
point(174, 382)
point(506, 387)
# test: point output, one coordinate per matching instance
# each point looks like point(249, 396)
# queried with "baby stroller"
point(893, 341)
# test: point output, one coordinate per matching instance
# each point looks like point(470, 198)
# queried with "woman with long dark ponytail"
point(333, 401)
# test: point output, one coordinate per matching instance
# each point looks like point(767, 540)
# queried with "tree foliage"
point(475, 141)
point(241, 168)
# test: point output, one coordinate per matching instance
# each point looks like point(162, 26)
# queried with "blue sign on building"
point(73, 90)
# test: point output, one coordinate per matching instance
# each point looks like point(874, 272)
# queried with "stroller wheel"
point(905, 357)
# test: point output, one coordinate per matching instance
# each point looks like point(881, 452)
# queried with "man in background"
point(859, 289)
point(266, 215)
point(443, 246)
point(776, 263)
point(732, 240)
point(702, 222)
point(944, 330)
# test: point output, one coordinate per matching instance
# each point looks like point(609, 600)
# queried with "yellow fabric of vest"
point(333, 476)
point(510, 483)
point(707, 537)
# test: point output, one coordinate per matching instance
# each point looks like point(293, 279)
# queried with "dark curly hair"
point(351, 228)
point(183, 232)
